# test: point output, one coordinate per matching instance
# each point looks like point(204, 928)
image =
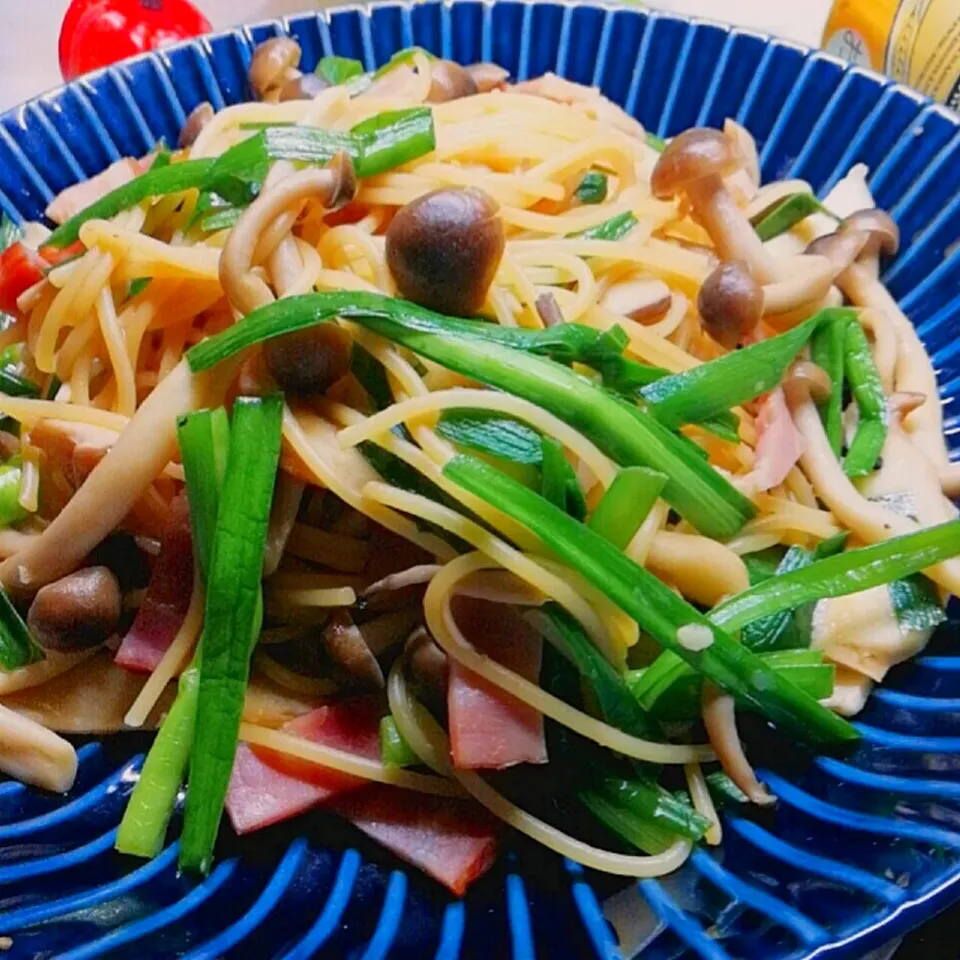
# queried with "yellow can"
point(914, 41)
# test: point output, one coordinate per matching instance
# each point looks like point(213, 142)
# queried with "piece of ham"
point(551, 87)
point(267, 787)
point(76, 448)
point(453, 841)
point(167, 596)
point(490, 729)
point(68, 203)
point(779, 446)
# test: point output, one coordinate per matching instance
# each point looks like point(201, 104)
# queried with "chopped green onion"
point(559, 484)
point(138, 285)
point(916, 603)
point(222, 219)
point(491, 433)
point(403, 56)
point(483, 351)
point(616, 228)
point(655, 142)
point(11, 510)
point(394, 749)
point(17, 647)
point(735, 378)
point(786, 213)
point(337, 70)
point(626, 503)
point(642, 813)
point(232, 618)
point(676, 697)
point(656, 608)
point(614, 701)
point(861, 373)
point(826, 350)
point(153, 183)
point(842, 574)
point(593, 187)
point(723, 790)
point(14, 385)
point(10, 232)
point(767, 632)
point(392, 139)
point(204, 437)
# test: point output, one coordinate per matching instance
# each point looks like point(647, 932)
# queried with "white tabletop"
point(29, 28)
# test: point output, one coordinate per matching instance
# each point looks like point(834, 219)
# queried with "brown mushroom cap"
point(450, 81)
point(304, 87)
point(884, 234)
point(429, 669)
point(199, 117)
point(271, 60)
point(488, 76)
point(444, 248)
point(78, 611)
point(310, 360)
point(841, 248)
point(345, 644)
point(730, 303)
point(692, 155)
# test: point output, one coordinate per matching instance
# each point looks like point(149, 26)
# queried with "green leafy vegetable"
point(735, 378)
point(10, 232)
point(593, 187)
point(17, 648)
point(559, 484)
point(11, 510)
point(403, 56)
point(394, 749)
point(786, 213)
point(826, 350)
point(861, 373)
point(492, 355)
point(138, 285)
point(626, 503)
point(657, 143)
point(493, 434)
point(723, 790)
point(655, 607)
point(232, 618)
point(616, 228)
point(337, 70)
point(916, 603)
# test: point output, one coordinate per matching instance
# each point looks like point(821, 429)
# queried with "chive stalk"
point(626, 503)
point(861, 373)
point(394, 749)
point(826, 350)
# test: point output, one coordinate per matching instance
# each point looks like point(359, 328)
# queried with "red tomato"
point(111, 30)
point(55, 255)
point(20, 269)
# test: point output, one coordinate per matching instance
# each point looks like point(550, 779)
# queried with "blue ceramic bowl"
point(856, 851)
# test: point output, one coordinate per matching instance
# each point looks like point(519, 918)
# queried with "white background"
point(29, 28)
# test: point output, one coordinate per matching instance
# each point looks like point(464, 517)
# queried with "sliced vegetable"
point(232, 619)
point(616, 228)
point(17, 648)
point(593, 187)
point(10, 232)
point(626, 503)
point(826, 351)
point(494, 434)
point(394, 749)
point(401, 57)
point(391, 139)
point(559, 484)
point(11, 510)
point(204, 437)
point(861, 373)
point(655, 142)
point(723, 790)
point(916, 603)
point(642, 813)
point(735, 378)
point(624, 432)
point(138, 286)
point(786, 213)
point(15, 385)
point(20, 269)
point(337, 70)
point(679, 699)
point(669, 619)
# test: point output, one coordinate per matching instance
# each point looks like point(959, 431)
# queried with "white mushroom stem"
point(914, 372)
point(33, 754)
point(809, 277)
point(719, 718)
point(730, 230)
point(871, 522)
point(139, 456)
point(950, 480)
point(283, 516)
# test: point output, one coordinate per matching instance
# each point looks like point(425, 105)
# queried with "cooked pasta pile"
point(682, 410)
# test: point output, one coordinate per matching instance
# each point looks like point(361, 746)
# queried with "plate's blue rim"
point(913, 911)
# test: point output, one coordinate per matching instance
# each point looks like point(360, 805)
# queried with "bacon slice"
point(68, 203)
point(490, 729)
point(167, 596)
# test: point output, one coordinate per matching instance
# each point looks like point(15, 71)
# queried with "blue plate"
point(856, 851)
